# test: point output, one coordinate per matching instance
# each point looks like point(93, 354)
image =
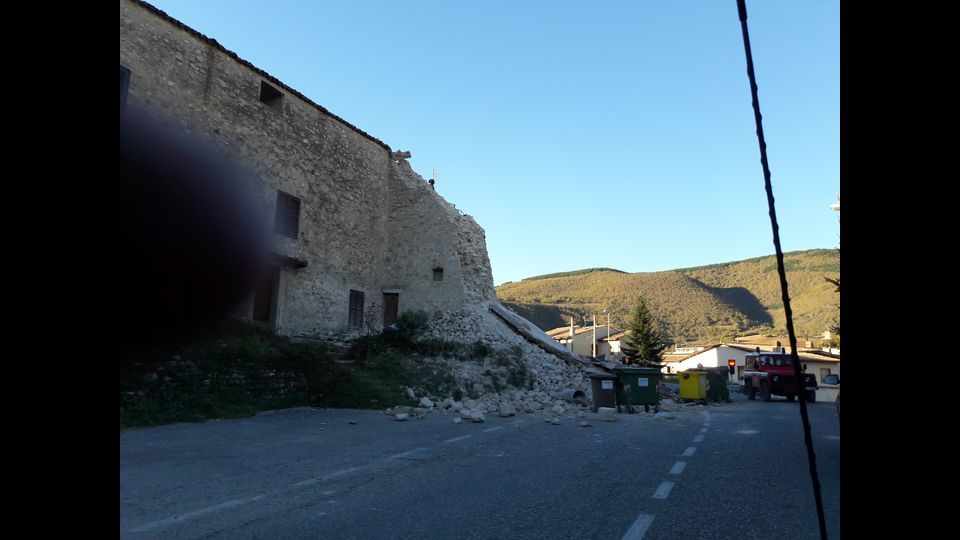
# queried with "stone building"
point(359, 236)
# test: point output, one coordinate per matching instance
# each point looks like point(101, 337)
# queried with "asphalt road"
point(727, 471)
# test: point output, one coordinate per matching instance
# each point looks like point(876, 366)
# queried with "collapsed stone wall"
point(426, 233)
point(549, 376)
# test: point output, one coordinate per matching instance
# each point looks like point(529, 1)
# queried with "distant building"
point(580, 339)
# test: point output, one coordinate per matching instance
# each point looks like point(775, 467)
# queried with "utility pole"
point(594, 337)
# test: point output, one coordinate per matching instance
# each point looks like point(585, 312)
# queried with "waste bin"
point(603, 386)
point(638, 386)
point(717, 385)
point(693, 385)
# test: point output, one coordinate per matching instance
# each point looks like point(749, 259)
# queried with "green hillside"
point(696, 304)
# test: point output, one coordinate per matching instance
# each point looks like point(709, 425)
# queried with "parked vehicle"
point(770, 374)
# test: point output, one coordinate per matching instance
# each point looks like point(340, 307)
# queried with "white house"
point(580, 339)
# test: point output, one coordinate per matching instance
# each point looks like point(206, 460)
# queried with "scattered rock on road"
point(607, 414)
point(401, 417)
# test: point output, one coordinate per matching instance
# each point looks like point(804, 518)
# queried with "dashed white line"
point(488, 430)
point(460, 438)
point(193, 514)
point(639, 527)
point(663, 490)
point(678, 467)
point(698, 438)
point(703, 430)
point(516, 422)
point(407, 453)
point(307, 482)
point(690, 450)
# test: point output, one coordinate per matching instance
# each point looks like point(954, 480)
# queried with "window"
point(124, 86)
point(438, 274)
point(356, 309)
point(287, 219)
point(824, 372)
point(271, 97)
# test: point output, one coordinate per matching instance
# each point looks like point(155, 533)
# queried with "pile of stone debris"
point(546, 377)
point(476, 410)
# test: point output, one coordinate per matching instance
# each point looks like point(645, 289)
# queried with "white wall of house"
point(716, 357)
point(825, 392)
point(583, 343)
point(609, 348)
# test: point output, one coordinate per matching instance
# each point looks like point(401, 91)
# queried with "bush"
point(411, 323)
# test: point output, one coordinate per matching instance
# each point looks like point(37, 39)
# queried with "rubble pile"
point(527, 378)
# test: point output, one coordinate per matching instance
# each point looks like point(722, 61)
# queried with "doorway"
point(265, 296)
point(391, 302)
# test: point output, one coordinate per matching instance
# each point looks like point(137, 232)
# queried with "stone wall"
point(367, 221)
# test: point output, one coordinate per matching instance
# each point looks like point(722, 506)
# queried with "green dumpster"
point(717, 385)
point(638, 386)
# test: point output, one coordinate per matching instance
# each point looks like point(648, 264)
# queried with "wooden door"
point(391, 301)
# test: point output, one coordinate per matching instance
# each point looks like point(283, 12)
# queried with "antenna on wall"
point(436, 176)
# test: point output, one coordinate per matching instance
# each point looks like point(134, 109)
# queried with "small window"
point(824, 372)
point(124, 86)
point(272, 97)
point(287, 220)
point(356, 309)
point(438, 274)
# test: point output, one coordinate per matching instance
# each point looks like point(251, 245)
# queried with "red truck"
point(771, 374)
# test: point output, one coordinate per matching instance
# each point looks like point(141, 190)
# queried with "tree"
point(644, 342)
point(835, 329)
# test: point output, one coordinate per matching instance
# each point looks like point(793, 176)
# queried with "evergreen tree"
point(644, 342)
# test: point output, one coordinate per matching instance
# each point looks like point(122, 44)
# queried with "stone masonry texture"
point(367, 221)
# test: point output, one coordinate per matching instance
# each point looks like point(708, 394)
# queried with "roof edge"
point(162, 14)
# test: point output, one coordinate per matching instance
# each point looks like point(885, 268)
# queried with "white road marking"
point(516, 422)
point(747, 432)
point(460, 438)
point(663, 490)
point(703, 430)
point(698, 438)
point(492, 429)
point(690, 450)
point(834, 437)
point(407, 453)
point(195, 513)
point(307, 482)
point(338, 474)
point(639, 527)
point(678, 467)
point(237, 502)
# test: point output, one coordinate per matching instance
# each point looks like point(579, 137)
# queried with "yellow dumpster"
point(693, 385)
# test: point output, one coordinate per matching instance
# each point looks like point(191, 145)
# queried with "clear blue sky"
point(578, 134)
